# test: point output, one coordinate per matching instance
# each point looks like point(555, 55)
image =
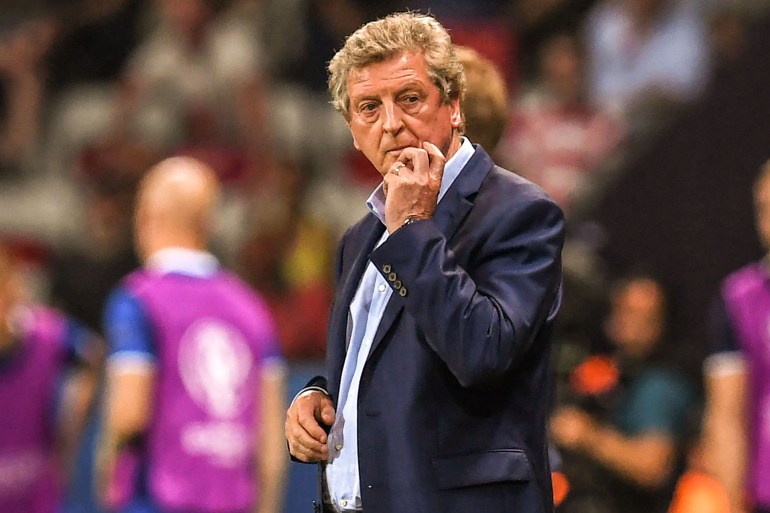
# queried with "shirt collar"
point(452, 168)
point(187, 261)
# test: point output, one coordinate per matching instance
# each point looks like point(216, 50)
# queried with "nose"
point(392, 122)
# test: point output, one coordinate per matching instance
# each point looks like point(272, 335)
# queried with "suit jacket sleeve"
point(482, 310)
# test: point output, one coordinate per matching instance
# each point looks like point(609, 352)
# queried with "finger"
point(307, 449)
point(416, 159)
point(309, 453)
point(436, 160)
point(302, 444)
point(397, 167)
point(309, 456)
point(313, 428)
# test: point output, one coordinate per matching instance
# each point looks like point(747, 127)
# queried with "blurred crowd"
point(93, 92)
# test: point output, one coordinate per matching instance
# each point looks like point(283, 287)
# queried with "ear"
point(455, 115)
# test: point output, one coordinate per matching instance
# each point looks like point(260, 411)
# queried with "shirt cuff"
point(727, 363)
point(306, 391)
point(131, 361)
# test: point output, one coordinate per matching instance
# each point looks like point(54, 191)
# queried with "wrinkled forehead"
point(402, 67)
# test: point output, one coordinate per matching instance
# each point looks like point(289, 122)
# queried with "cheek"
point(368, 140)
point(360, 133)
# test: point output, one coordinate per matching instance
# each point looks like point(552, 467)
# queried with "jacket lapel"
point(349, 281)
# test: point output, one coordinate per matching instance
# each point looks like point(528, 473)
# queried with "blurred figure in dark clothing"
point(628, 411)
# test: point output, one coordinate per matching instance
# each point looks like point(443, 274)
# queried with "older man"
point(438, 383)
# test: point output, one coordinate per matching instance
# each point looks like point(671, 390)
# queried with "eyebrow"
point(412, 85)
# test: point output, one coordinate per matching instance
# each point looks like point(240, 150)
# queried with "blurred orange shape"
point(596, 375)
point(560, 485)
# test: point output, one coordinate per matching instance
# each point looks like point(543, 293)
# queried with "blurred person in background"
point(737, 376)
point(486, 99)
point(628, 411)
point(645, 57)
point(194, 393)
point(48, 373)
point(554, 136)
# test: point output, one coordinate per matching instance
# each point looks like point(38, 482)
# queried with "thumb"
point(436, 160)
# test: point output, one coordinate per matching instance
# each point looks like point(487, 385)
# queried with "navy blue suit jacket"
point(454, 396)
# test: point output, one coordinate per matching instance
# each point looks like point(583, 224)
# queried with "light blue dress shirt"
point(366, 310)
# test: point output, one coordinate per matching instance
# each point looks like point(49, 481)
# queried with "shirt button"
point(338, 446)
point(343, 503)
point(382, 287)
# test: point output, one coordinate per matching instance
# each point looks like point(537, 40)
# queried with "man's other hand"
point(307, 423)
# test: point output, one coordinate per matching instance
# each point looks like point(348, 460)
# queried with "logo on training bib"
point(214, 362)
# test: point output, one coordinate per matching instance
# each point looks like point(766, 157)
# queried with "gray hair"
point(383, 39)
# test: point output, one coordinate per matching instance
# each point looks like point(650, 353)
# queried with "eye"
point(410, 101)
point(368, 107)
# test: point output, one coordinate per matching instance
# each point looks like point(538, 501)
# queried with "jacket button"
point(392, 277)
point(386, 268)
point(397, 284)
point(402, 292)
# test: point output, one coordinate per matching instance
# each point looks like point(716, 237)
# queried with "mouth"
point(402, 146)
